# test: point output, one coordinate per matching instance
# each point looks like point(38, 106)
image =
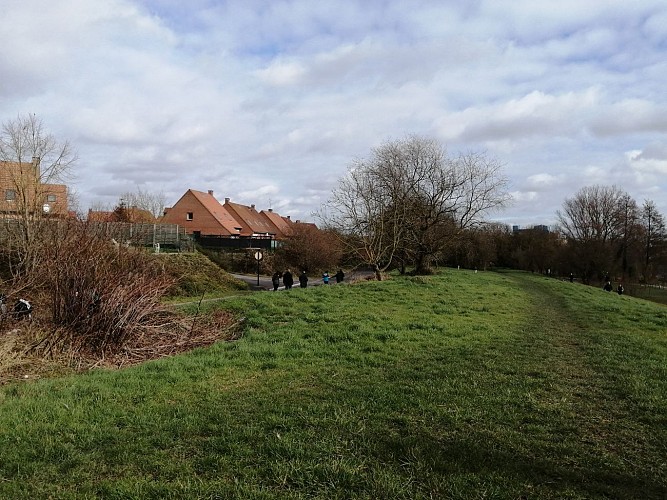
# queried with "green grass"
point(459, 385)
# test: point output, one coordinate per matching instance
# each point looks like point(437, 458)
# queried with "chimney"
point(270, 210)
point(226, 200)
point(252, 207)
point(210, 191)
point(289, 217)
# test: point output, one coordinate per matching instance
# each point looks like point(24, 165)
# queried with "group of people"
point(288, 279)
point(608, 287)
point(340, 277)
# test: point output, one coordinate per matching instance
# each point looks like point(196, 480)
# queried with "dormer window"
point(189, 216)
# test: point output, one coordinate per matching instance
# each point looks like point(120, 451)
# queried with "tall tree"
point(410, 196)
point(629, 232)
point(655, 237)
point(593, 222)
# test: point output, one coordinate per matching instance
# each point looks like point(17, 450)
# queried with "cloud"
point(541, 181)
point(631, 116)
point(646, 165)
point(272, 100)
point(534, 114)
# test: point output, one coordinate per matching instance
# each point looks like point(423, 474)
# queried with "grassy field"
point(461, 385)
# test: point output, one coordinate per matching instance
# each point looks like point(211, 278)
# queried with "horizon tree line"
point(412, 205)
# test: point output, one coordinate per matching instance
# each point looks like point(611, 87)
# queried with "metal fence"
point(139, 234)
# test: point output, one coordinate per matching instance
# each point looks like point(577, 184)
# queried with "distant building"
point(538, 227)
point(23, 193)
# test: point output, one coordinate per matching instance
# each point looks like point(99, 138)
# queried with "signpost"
point(258, 257)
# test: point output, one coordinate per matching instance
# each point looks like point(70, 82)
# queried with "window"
point(10, 195)
point(51, 198)
point(188, 216)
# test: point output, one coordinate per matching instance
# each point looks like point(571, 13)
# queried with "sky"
point(268, 102)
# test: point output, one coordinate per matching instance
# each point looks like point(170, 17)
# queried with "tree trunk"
point(378, 273)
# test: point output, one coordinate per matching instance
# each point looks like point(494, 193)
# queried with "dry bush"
point(310, 249)
point(97, 303)
point(99, 295)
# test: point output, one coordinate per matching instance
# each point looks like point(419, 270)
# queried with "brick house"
point(201, 214)
point(253, 223)
point(282, 224)
point(228, 225)
point(22, 192)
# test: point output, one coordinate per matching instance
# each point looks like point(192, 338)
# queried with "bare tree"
point(410, 197)
point(145, 200)
point(593, 222)
point(33, 161)
point(369, 209)
point(655, 237)
point(629, 232)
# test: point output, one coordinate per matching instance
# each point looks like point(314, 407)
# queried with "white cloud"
point(643, 165)
point(524, 195)
point(541, 181)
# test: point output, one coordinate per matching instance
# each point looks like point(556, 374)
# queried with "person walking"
point(340, 276)
point(325, 277)
point(620, 289)
point(288, 280)
point(303, 279)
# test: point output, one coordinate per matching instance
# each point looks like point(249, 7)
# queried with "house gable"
point(200, 212)
point(281, 223)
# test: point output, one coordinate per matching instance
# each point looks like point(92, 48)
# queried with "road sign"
point(259, 255)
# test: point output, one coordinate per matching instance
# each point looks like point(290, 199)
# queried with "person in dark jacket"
point(275, 280)
point(303, 280)
point(340, 276)
point(288, 280)
point(620, 289)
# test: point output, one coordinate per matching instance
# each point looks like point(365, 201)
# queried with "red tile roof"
point(218, 211)
point(282, 224)
point(253, 222)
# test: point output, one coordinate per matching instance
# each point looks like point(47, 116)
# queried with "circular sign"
point(259, 255)
point(46, 208)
